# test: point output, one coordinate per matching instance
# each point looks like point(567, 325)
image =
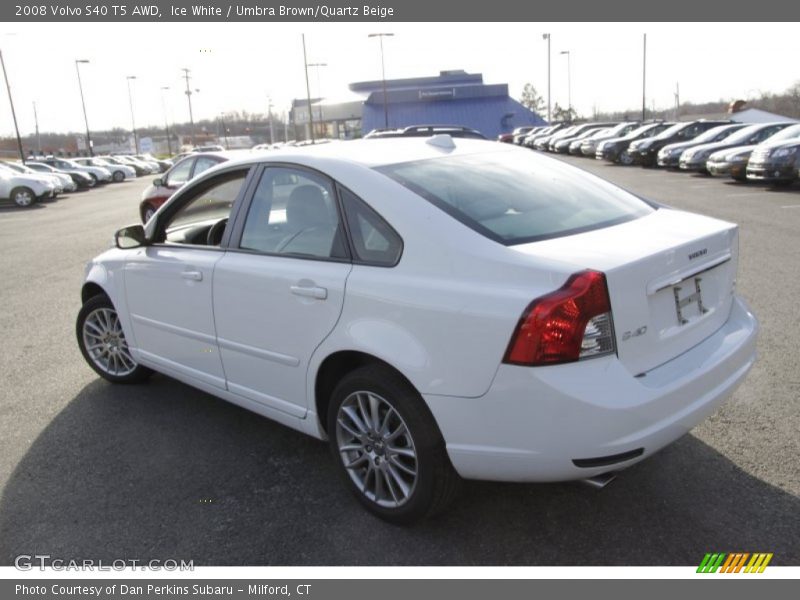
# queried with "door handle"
point(192, 275)
point(320, 293)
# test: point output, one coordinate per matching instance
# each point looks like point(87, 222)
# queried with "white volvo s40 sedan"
point(436, 309)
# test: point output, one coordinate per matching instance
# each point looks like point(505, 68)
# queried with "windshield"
point(785, 134)
point(711, 134)
point(514, 198)
point(667, 133)
point(649, 128)
point(743, 135)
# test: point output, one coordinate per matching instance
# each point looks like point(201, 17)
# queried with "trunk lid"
point(671, 277)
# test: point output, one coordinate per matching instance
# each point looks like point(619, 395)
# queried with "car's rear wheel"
point(387, 446)
point(118, 176)
point(103, 344)
point(625, 158)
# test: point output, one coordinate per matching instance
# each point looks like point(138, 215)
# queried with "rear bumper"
point(534, 422)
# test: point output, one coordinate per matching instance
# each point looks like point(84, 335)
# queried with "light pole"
point(224, 130)
point(319, 86)
point(189, 99)
point(308, 93)
point(380, 36)
point(13, 112)
point(271, 124)
point(569, 83)
point(644, 75)
point(83, 104)
point(166, 119)
point(38, 138)
point(133, 121)
point(546, 36)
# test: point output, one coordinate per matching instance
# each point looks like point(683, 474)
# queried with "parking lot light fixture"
point(380, 36)
point(133, 120)
point(78, 62)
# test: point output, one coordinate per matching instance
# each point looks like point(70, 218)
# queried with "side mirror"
point(131, 236)
point(157, 182)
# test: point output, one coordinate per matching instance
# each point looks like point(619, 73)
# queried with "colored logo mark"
point(734, 562)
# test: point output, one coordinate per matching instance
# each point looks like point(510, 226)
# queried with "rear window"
point(515, 198)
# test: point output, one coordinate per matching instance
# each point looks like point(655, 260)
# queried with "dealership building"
point(450, 98)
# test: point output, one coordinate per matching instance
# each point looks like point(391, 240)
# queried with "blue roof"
point(490, 115)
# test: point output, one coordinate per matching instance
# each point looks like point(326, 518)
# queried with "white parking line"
point(791, 206)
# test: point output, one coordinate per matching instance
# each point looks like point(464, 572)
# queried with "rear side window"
point(514, 198)
point(374, 240)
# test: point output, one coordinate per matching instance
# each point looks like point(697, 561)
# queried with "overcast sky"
point(238, 66)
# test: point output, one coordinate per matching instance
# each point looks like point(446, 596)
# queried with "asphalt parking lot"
point(158, 471)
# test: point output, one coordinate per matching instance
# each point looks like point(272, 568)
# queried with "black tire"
point(435, 483)
point(93, 176)
point(91, 182)
point(118, 176)
point(130, 371)
point(23, 197)
point(148, 213)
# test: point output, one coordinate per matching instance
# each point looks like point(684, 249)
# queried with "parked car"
point(81, 179)
point(542, 143)
point(54, 181)
point(163, 187)
point(426, 131)
point(99, 174)
point(529, 141)
point(576, 143)
point(733, 162)
point(24, 190)
point(775, 162)
point(163, 163)
point(435, 308)
point(208, 148)
point(119, 171)
point(520, 133)
point(695, 158)
point(645, 152)
point(140, 167)
point(64, 181)
point(616, 149)
point(150, 162)
point(669, 156)
point(560, 144)
point(589, 145)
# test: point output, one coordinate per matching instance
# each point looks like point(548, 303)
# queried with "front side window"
point(513, 198)
point(202, 217)
point(293, 212)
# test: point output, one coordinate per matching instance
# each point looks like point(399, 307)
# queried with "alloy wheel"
point(376, 449)
point(105, 343)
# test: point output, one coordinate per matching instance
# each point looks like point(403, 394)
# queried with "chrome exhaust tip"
point(598, 482)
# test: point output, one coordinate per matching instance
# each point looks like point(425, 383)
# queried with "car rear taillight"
point(570, 324)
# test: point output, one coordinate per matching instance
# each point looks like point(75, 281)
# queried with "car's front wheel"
point(118, 176)
point(23, 197)
point(148, 213)
point(103, 344)
point(387, 446)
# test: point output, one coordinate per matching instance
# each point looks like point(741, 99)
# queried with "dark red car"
point(170, 182)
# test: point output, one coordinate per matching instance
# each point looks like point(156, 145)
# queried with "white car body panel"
point(443, 317)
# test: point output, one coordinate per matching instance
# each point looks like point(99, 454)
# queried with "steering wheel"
point(214, 235)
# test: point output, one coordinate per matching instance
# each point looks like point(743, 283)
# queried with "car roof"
point(377, 152)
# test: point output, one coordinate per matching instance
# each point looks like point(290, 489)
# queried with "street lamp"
point(13, 112)
point(308, 92)
point(569, 83)
point(319, 86)
point(380, 36)
point(189, 99)
point(133, 121)
point(166, 120)
point(546, 36)
point(83, 103)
